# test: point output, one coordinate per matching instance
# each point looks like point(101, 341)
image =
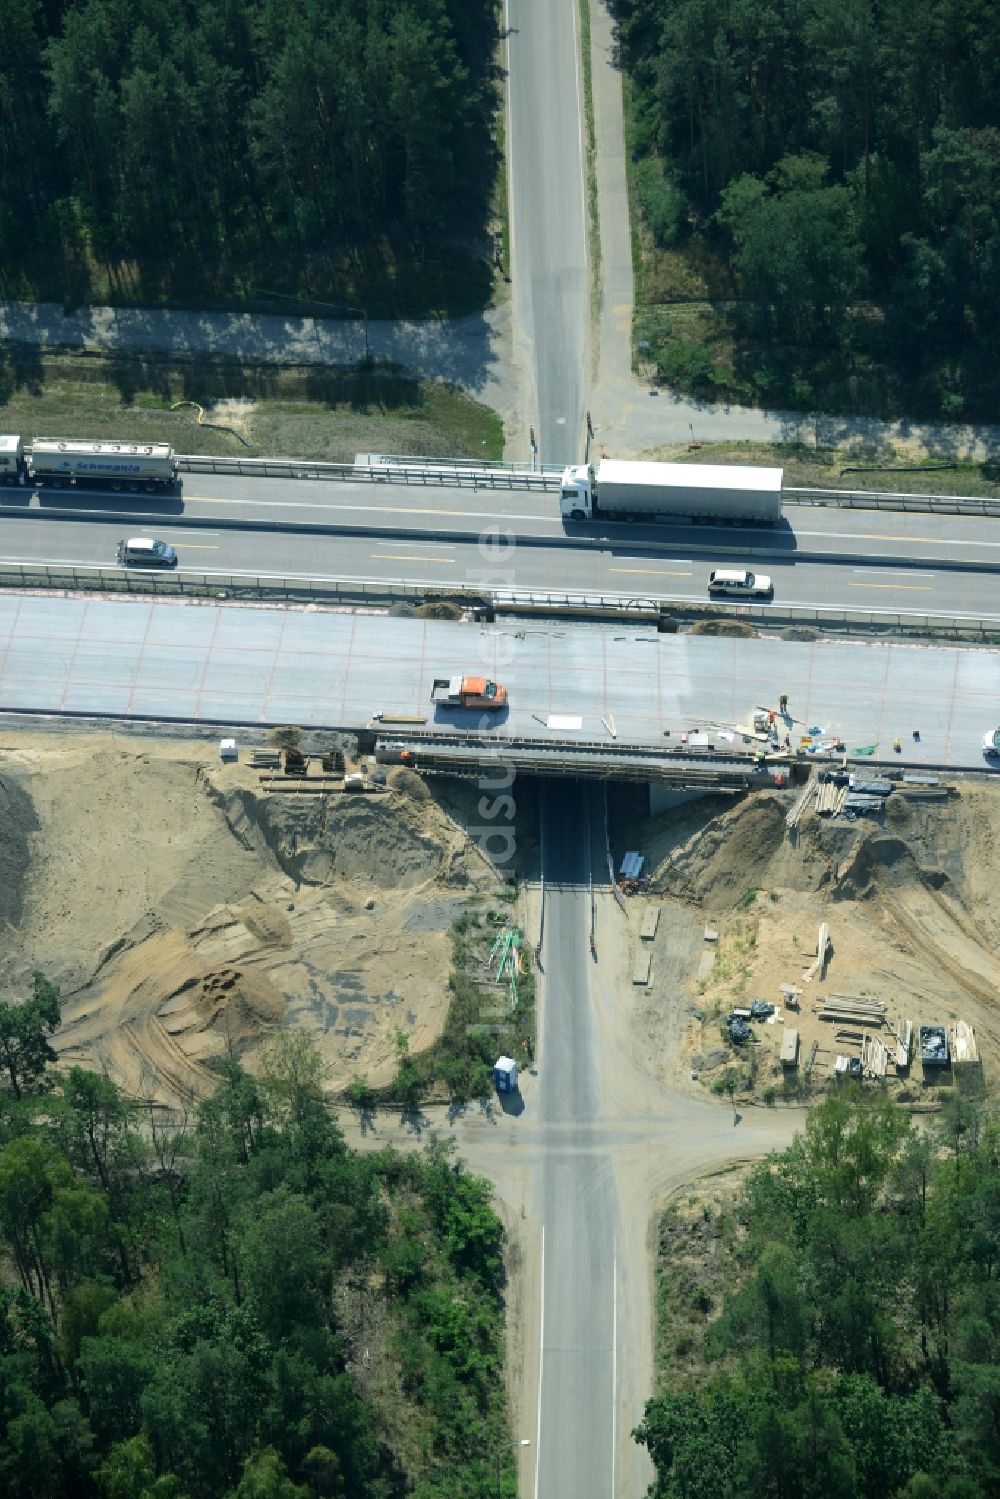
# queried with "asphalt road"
point(819, 557)
point(547, 215)
point(578, 1365)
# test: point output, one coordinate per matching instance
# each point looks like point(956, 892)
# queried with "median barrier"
point(385, 591)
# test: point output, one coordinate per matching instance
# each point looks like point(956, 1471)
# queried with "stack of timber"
point(852, 1009)
point(802, 802)
point(904, 1040)
point(830, 800)
point(874, 1057)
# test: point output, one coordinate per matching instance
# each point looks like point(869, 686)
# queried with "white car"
point(991, 744)
point(738, 583)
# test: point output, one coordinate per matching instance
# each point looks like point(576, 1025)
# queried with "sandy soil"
point(912, 905)
point(186, 913)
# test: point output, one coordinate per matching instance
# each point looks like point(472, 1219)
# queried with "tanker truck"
point(618, 489)
point(61, 461)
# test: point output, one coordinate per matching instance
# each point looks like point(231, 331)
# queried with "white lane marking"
point(424, 561)
point(541, 1355)
point(495, 519)
point(895, 572)
point(432, 546)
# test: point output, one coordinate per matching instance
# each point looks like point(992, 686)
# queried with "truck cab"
point(469, 692)
point(11, 460)
point(576, 500)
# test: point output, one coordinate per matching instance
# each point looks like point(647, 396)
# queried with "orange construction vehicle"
point(469, 692)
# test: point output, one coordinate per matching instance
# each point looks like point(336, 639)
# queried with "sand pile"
point(186, 914)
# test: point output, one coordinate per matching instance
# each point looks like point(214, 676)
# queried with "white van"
point(737, 583)
point(143, 551)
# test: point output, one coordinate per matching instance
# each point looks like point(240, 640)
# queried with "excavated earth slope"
point(186, 914)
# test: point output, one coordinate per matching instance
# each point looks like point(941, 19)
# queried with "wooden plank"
point(650, 922)
point(641, 967)
point(823, 948)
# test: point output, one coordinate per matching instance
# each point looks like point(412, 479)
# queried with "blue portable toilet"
point(505, 1075)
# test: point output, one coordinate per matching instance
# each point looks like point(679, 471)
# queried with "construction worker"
point(783, 705)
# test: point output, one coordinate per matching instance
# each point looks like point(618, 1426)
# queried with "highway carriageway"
point(820, 558)
point(627, 686)
point(463, 515)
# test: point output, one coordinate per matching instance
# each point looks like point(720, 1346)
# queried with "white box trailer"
point(11, 460)
point(619, 489)
point(60, 461)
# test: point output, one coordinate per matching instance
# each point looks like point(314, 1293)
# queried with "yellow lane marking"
point(878, 536)
point(913, 587)
point(403, 557)
point(659, 572)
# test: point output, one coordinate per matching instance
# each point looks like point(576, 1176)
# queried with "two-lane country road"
point(578, 1386)
point(548, 223)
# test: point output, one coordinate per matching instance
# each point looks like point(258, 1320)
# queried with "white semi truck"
point(618, 489)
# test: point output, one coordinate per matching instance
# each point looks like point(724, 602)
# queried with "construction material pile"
point(855, 1010)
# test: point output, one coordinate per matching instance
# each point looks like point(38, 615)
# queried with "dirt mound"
point(744, 849)
point(408, 783)
point(439, 609)
point(734, 627)
point(375, 838)
point(238, 1004)
point(884, 862)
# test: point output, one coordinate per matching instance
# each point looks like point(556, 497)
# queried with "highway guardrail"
point(875, 499)
point(442, 477)
point(384, 591)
